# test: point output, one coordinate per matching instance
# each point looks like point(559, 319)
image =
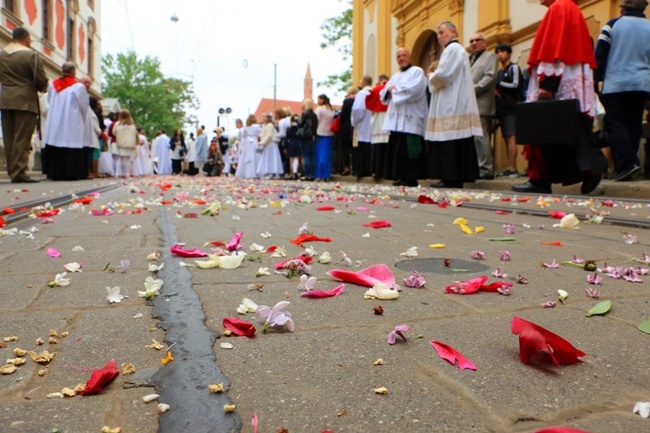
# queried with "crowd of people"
point(417, 124)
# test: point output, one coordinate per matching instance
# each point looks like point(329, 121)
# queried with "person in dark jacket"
point(345, 134)
point(508, 93)
point(307, 130)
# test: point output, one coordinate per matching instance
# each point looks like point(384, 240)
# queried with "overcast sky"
point(227, 48)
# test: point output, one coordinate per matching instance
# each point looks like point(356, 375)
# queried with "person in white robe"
point(142, 165)
point(93, 132)
point(454, 118)
point(106, 157)
point(248, 156)
point(270, 163)
point(405, 95)
point(65, 130)
point(162, 157)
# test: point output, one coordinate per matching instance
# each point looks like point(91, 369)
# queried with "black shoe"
point(590, 183)
point(25, 180)
point(440, 184)
point(409, 183)
point(486, 176)
point(530, 187)
point(627, 174)
point(398, 183)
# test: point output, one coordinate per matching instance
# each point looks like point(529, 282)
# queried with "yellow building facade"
point(382, 26)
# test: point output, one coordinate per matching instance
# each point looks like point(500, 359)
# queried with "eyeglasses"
point(471, 41)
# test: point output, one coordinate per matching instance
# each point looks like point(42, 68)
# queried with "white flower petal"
point(114, 295)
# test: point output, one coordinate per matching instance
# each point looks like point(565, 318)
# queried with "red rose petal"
point(101, 377)
point(534, 339)
point(238, 327)
point(378, 224)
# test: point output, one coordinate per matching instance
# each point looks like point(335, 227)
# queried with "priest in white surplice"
point(405, 95)
point(160, 154)
point(453, 115)
point(65, 129)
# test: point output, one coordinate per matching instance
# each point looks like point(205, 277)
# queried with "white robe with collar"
point(407, 104)
point(453, 113)
point(360, 116)
point(67, 117)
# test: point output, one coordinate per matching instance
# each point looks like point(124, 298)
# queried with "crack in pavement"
point(183, 383)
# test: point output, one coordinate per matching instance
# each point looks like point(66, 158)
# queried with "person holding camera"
point(178, 151)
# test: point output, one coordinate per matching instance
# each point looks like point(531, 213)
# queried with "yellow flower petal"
point(168, 359)
point(440, 245)
point(465, 228)
point(460, 221)
point(479, 229)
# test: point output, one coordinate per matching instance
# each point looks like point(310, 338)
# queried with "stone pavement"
point(321, 377)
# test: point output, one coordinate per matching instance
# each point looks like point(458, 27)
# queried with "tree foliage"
point(337, 33)
point(155, 101)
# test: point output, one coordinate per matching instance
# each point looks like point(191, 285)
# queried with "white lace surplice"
point(576, 82)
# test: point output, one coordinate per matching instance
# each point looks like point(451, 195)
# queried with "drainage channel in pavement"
point(183, 384)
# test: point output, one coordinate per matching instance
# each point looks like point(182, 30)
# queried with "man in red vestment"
point(560, 65)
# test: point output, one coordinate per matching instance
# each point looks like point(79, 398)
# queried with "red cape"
point(373, 101)
point(63, 83)
point(563, 35)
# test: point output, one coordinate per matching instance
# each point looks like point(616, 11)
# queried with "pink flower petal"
point(178, 250)
point(366, 277)
point(323, 294)
point(451, 355)
point(52, 252)
point(254, 422)
point(559, 430)
point(233, 245)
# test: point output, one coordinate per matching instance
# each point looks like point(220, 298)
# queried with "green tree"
point(337, 33)
point(155, 101)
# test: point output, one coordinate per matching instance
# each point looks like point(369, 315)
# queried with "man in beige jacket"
point(21, 76)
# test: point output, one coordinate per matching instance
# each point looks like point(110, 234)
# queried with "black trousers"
point(623, 119)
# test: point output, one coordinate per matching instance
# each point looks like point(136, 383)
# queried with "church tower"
point(309, 84)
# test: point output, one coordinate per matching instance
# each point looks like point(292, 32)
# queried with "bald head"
point(403, 57)
point(86, 81)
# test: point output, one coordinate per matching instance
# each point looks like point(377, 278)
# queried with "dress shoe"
point(440, 184)
point(530, 187)
point(590, 183)
point(626, 174)
point(409, 183)
point(486, 176)
point(25, 180)
point(397, 183)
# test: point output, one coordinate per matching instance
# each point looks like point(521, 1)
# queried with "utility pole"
point(275, 86)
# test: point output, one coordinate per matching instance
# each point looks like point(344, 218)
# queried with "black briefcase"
point(547, 122)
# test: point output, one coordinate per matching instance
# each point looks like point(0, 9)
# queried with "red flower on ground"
point(238, 327)
point(308, 238)
point(101, 377)
point(380, 224)
point(534, 339)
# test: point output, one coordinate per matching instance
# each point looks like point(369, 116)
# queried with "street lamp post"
point(222, 111)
